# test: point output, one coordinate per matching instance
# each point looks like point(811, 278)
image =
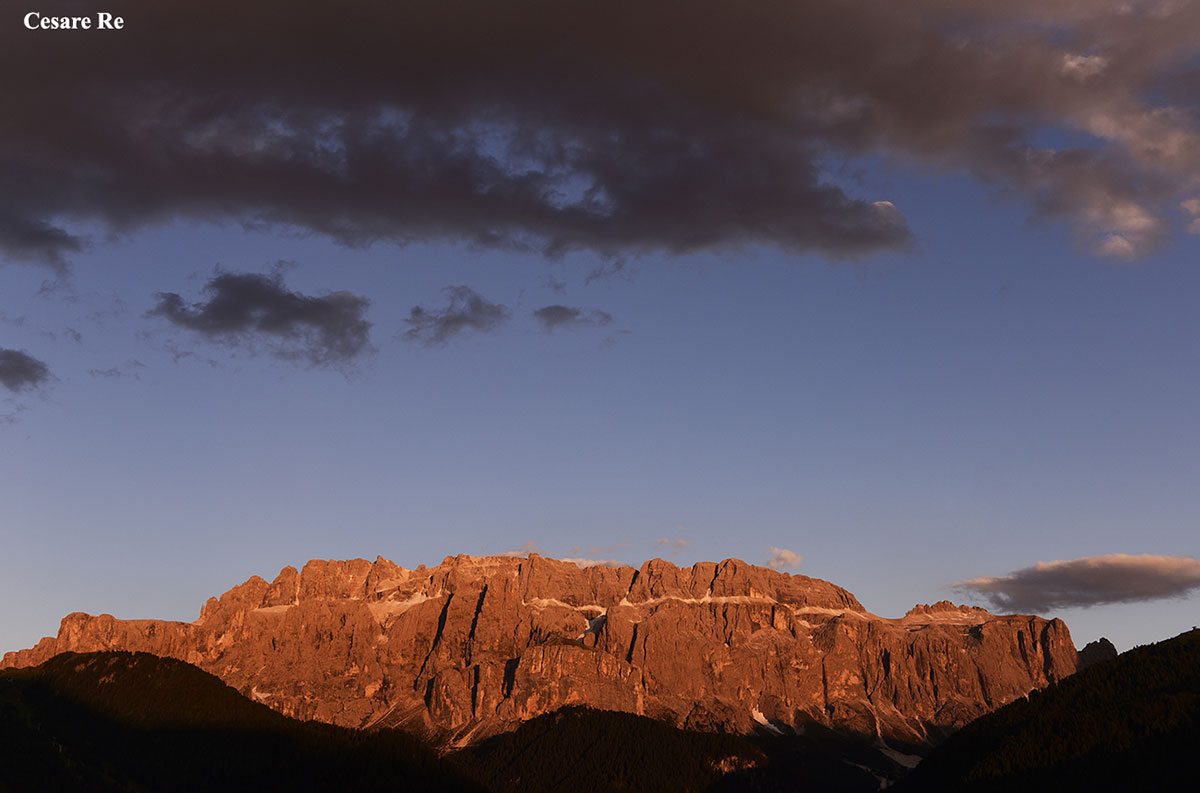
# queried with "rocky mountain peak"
point(946, 610)
point(1096, 652)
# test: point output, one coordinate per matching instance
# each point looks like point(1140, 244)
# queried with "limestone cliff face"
point(476, 645)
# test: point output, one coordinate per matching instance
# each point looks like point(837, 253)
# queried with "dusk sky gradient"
point(899, 295)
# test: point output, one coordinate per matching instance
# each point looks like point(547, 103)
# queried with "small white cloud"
point(586, 563)
point(1081, 67)
point(783, 559)
point(526, 549)
point(1115, 246)
point(1123, 229)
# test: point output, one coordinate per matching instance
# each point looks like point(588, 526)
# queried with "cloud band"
point(1088, 581)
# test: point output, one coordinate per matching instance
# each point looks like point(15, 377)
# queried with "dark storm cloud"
point(465, 310)
point(529, 125)
point(557, 316)
point(20, 371)
point(244, 307)
point(620, 126)
point(1090, 581)
point(33, 239)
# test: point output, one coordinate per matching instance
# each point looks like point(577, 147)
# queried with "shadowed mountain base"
point(1128, 724)
point(114, 721)
point(109, 722)
point(577, 749)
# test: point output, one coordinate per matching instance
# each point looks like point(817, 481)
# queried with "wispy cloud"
point(1088, 581)
point(783, 559)
point(673, 544)
point(464, 311)
point(558, 316)
point(614, 268)
point(246, 308)
point(128, 370)
point(525, 550)
point(607, 549)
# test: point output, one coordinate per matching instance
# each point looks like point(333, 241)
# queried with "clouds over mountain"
point(246, 309)
point(620, 126)
point(1089, 581)
point(783, 559)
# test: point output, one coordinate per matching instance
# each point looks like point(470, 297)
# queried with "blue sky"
point(998, 385)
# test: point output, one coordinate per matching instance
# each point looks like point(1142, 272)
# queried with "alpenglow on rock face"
point(475, 646)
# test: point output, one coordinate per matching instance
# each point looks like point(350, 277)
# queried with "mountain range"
point(116, 722)
point(474, 647)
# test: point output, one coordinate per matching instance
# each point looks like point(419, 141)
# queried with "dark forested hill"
point(580, 749)
point(109, 722)
point(129, 722)
point(1129, 724)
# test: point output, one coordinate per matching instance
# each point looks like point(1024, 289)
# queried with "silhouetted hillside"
point(576, 749)
point(580, 749)
point(109, 722)
point(1129, 724)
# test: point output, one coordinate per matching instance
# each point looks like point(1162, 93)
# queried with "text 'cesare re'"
point(103, 20)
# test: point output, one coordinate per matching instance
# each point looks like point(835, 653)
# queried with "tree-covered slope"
point(1129, 724)
point(580, 749)
point(109, 722)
